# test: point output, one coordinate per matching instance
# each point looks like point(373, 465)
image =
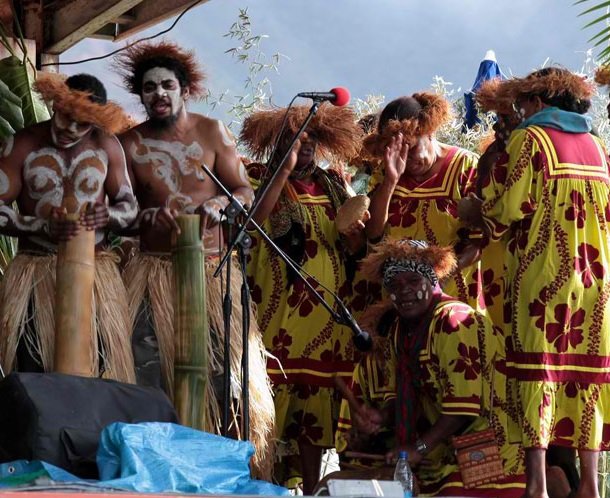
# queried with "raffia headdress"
point(334, 128)
point(441, 259)
point(551, 82)
point(494, 95)
point(78, 104)
point(435, 112)
point(130, 61)
point(602, 75)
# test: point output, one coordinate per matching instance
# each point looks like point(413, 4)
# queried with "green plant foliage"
point(16, 75)
point(602, 20)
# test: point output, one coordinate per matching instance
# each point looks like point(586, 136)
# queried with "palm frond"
point(602, 36)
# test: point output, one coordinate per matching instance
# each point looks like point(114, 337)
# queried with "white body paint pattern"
point(6, 147)
point(170, 161)
point(4, 183)
point(46, 173)
point(27, 224)
point(227, 137)
point(126, 210)
point(213, 206)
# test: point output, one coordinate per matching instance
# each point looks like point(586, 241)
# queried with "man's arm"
point(123, 207)
point(230, 171)
point(12, 156)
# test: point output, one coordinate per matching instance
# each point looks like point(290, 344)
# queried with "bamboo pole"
point(190, 323)
point(75, 273)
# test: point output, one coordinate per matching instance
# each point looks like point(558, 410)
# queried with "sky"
point(372, 47)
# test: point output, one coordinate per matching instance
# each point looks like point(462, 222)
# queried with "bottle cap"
point(403, 454)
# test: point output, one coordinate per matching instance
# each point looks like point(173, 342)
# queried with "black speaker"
point(58, 418)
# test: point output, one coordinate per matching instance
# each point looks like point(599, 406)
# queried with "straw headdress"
point(494, 96)
point(334, 128)
point(435, 111)
point(441, 259)
point(602, 75)
point(78, 104)
point(132, 61)
point(550, 82)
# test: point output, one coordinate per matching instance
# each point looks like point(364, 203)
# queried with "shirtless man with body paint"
point(164, 157)
point(72, 164)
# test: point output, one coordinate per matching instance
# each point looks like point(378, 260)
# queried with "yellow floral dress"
point(460, 356)
point(428, 211)
point(308, 347)
point(550, 199)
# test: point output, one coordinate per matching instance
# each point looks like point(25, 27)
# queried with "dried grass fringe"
point(152, 275)
point(33, 276)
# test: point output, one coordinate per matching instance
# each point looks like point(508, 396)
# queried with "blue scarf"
point(558, 119)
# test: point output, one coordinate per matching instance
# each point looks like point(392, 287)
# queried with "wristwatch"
point(420, 446)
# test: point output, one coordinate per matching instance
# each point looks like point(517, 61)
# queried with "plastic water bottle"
point(403, 474)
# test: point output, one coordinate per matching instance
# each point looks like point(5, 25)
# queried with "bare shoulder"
point(130, 135)
point(106, 141)
point(25, 140)
point(212, 130)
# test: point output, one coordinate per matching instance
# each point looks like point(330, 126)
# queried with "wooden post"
point(73, 304)
point(191, 324)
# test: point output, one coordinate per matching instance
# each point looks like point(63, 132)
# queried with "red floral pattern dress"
point(308, 347)
point(428, 211)
point(552, 205)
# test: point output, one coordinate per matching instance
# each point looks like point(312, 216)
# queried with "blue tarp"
point(159, 458)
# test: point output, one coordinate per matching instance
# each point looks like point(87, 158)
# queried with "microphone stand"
point(264, 188)
point(243, 241)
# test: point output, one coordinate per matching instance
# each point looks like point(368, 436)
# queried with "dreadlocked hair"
point(133, 63)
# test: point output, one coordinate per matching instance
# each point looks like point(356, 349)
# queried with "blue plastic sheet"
point(158, 458)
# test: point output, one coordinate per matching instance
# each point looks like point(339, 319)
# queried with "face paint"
point(420, 295)
point(393, 297)
point(161, 93)
point(65, 132)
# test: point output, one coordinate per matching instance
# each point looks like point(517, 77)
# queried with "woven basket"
point(478, 458)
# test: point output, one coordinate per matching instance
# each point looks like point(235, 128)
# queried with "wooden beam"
point(126, 18)
point(33, 23)
point(80, 19)
point(151, 12)
point(107, 32)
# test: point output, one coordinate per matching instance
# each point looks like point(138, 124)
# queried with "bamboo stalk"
point(190, 324)
point(75, 274)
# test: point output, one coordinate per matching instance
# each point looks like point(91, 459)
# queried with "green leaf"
point(6, 130)
point(599, 19)
point(15, 74)
point(10, 107)
point(602, 33)
point(595, 7)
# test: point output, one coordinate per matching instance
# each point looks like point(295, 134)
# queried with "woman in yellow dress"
point(298, 213)
point(415, 193)
point(552, 205)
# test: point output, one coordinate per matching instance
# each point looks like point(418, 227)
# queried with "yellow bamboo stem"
point(75, 273)
point(190, 323)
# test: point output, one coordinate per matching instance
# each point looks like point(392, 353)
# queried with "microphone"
point(362, 339)
point(337, 96)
